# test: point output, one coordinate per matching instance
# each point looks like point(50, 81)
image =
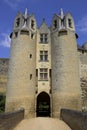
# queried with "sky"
point(41, 9)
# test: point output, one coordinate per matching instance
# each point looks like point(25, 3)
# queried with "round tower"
point(65, 68)
point(21, 75)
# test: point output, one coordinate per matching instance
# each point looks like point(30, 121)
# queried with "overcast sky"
point(41, 9)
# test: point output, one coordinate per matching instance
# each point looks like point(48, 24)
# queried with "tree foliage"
point(84, 93)
point(2, 103)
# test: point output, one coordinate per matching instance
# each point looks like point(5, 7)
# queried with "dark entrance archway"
point(43, 105)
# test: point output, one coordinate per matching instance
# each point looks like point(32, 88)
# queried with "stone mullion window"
point(43, 38)
point(43, 73)
point(43, 55)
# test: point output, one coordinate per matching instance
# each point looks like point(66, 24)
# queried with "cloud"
point(13, 3)
point(82, 25)
point(5, 40)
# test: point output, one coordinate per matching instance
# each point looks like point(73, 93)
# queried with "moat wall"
point(9, 120)
point(76, 120)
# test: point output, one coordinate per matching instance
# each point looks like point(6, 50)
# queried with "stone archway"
point(43, 105)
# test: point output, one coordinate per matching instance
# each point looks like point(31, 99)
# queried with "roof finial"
point(43, 19)
point(61, 13)
point(26, 14)
point(25, 19)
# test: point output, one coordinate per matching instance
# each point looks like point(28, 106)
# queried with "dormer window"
point(17, 22)
point(41, 38)
point(70, 23)
point(44, 38)
point(55, 24)
point(32, 24)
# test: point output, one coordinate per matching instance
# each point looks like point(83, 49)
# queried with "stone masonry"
point(45, 66)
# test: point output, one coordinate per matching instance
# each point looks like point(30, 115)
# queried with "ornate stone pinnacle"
point(61, 13)
point(25, 19)
point(26, 14)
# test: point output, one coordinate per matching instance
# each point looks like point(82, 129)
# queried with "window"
point(43, 55)
point(70, 23)
point(30, 56)
point(55, 24)
point(36, 72)
point(43, 73)
point(30, 76)
point(32, 24)
point(43, 38)
point(24, 32)
point(32, 36)
point(16, 34)
point(62, 23)
point(50, 73)
point(17, 22)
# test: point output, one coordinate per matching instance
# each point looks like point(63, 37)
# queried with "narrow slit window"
point(50, 73)
point(36, 72)
point(32, 36)
point(16, 34)
point(70, 23)
point(55, 24)
point(32, 24)
point(17, 22)
point(30, 56)
point(30, 76)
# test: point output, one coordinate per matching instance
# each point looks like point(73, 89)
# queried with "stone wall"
point(9, 120)
point(21, 75)
point(75, 119)
point(3, 74)
point(66, 91)
point(83, 76)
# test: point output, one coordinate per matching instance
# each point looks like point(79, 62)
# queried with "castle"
point(47, 70)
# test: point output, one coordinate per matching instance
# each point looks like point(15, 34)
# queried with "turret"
point(21, 76)
point(65, 70)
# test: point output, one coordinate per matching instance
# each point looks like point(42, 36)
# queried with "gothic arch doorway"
point(43, 105)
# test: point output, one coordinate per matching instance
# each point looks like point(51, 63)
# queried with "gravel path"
point(42, 123)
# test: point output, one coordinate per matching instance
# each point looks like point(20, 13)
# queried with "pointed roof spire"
point(61, 13)
point(26, 13)
point(25, 20)
point(43, 19)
